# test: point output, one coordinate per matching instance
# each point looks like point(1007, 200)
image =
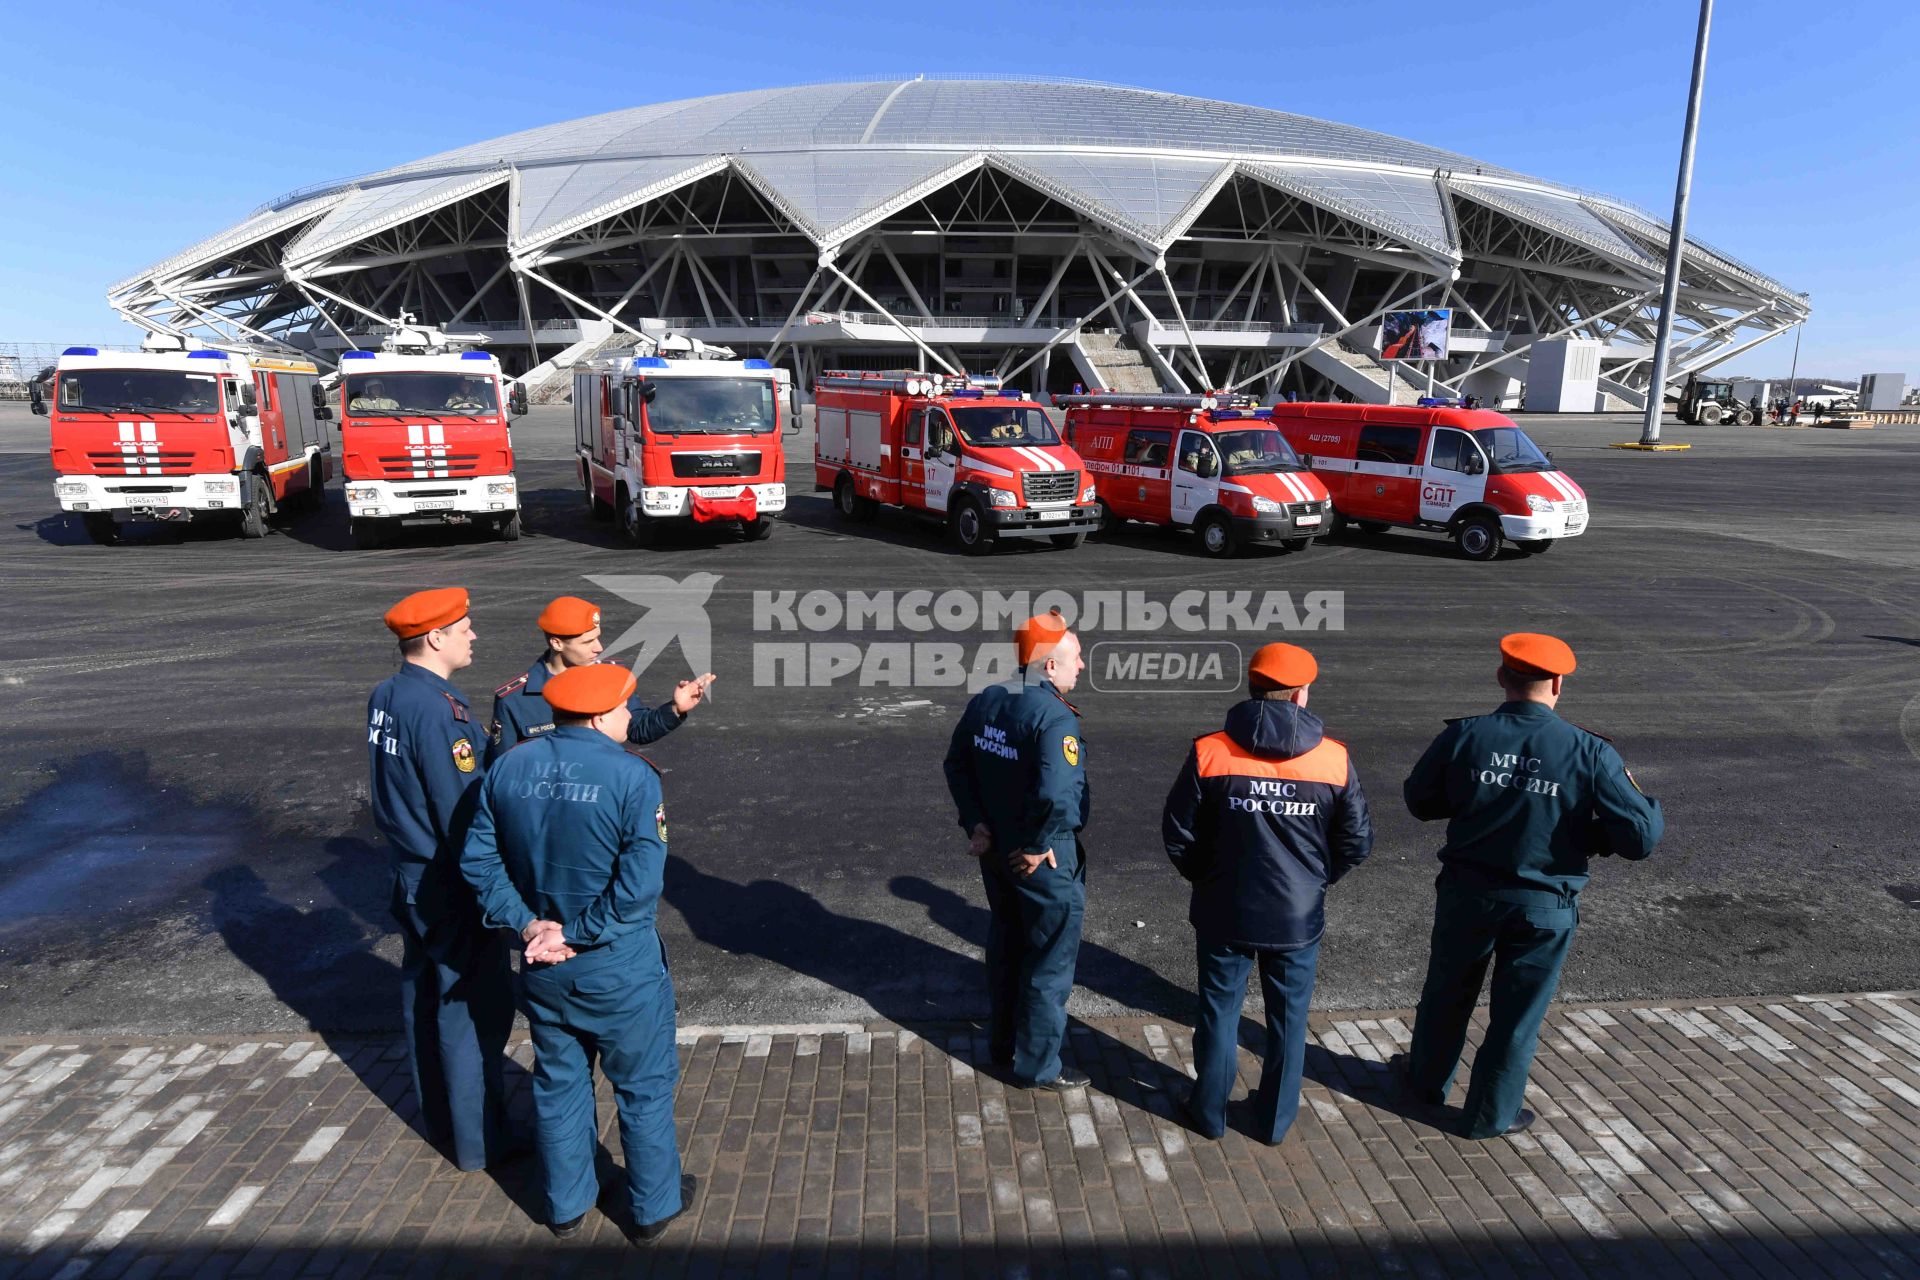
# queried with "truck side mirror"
point(1306, 459)
point(37, 401)
point(1209, 467)
point(248, 401)
point(1475, 464)
point(319, 396)
point(647, 390)
point(321, 413)
point(517, 400)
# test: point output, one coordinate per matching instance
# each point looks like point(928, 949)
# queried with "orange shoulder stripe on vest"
point(1220, 756)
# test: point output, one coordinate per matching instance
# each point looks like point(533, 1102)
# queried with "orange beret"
point(1282, 666)
point(1037, 635)
point(569, 616)
point(425, 611)
point(590, 690)
point(1531, 653)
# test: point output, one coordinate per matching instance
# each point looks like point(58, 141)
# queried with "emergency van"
point(1215, 464)
point(425, 437)
point(985, 461)
point(173, 434)
point(1469, 473)
point(680, 431)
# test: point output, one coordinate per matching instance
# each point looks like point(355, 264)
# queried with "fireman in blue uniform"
point(1528, 799)
point(1017, 769)
point(1265, 815)
point(572, 630)
point(456, 992)
point(568, 848)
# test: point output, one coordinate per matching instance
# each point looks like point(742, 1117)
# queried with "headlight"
point(1267, 506)
point(223, 484)
point(500, 486)
point(1086, 495)
point(1003, 498)
point(362, 495)
point(77, 490)
point(1537, 504)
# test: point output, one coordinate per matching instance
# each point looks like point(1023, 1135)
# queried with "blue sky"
point(148, 127)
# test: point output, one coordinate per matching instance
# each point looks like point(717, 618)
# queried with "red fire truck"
point(984, 460)
point(1215, 464)
point(1469, 473)
point(681, 431)
point(178, 435)
point(425, 435)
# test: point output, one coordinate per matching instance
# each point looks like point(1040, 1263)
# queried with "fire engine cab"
point(424, 431)
point(681, 431)
point(1215, 464)
point(174, 434)
point(1469, 473)
point(986, 461)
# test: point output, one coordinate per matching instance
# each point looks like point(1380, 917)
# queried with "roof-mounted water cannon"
point(163, 343)
point(911, 382)
point(405, 336)
point(657, 340)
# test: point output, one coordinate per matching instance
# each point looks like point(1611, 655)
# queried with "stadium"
point(1050, 232)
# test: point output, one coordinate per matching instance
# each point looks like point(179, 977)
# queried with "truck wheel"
point(758, 529)
point(850, 503)
point(1108, 521)
point(1068, 541)
point(1216, 536)
point(253, 517)
point(1533, 546)
point(102, 528)
point(596, 509)
point(1372, 528)
point(969, 528)
point(1710, 414)
point(509, 529)
point(369, 534)
point(1296, 545)
point(1478, 538)
point(635, 526)
point(1744, 418)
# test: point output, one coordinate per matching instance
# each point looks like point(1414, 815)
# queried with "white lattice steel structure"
point(1052, 232)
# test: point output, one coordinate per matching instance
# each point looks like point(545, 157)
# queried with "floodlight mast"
point(1677, 239)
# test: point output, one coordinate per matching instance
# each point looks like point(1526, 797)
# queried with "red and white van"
point(1215, 464)
point(986, 461)
point(170, 434)
point(1469, 473)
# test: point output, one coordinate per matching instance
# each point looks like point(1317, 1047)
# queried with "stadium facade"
point(1051, 232)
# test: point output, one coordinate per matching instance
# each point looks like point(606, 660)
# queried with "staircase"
point(1361, 376)
point(1110, 363)
point(1618, 397)
point(552, 382)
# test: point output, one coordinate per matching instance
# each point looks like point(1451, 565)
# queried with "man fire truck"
point(679, 430)
point(425, 436)
point(985, 461)
point(181, 435)
point(1215, 464)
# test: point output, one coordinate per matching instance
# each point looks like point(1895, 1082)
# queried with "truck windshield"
point(1510, 449)
point(997, 426)
point(139, 391)
point(711, 406)
point(427, 395)
point(1259, 451)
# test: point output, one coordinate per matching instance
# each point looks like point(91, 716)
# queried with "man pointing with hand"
point(1017, 770)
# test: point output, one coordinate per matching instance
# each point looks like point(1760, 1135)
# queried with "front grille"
point(1303, 509)
point(404, 466)
point(146, 488)
point(172, 462)
point(1050, 486)
point(699, 465)
point(426, 493)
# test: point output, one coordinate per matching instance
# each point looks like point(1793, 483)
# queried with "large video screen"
point(1416, 335)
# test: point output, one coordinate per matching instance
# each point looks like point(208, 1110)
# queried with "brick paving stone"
point(1695, 1140)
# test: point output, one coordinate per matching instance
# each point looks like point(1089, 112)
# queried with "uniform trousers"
point(1523, 936)
point(1286, 986)
point(613, 1005)
point(1033, 941)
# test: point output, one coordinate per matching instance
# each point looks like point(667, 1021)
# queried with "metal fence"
point(24, 362)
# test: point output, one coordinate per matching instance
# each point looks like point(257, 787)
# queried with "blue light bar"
point(475, 355)
point(755, 363)
point(972, 393)
point(649, 362)
point(81, 351)
point(356, 355)
point(206, 355)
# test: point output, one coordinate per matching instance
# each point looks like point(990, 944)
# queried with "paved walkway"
point(1762, 1137)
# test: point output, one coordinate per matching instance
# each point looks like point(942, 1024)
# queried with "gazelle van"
point(1472, 474)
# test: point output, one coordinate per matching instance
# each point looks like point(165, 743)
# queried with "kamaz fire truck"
point(678, 430)
point(173, 434)
point(985, 461)
point(425, 436)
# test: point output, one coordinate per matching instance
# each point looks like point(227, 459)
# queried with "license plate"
point(1308, 520)
point(434, 504)
point(1576, 525)
point(1053, 515)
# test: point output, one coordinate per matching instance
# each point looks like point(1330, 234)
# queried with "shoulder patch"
point(1070, 748)
point(660, 821)
point(463, 756)
point(512, 686)
point(459, 707)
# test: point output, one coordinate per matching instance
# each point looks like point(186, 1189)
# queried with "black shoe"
point(1521, 1123)
point(569, 1229)
point(1066, 1080)
point(648, 1232)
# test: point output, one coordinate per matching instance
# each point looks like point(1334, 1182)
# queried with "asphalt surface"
point(185, 843)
